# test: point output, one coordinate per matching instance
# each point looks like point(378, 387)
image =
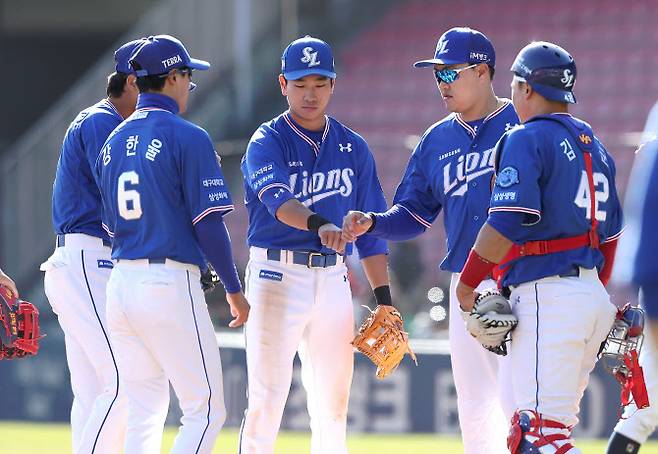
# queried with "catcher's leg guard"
point(532, 434)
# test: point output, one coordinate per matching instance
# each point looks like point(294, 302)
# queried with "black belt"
point(61, 241)
point(573, 272)
point(309, 259)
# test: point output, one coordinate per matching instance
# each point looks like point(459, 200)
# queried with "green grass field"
point(18, 438)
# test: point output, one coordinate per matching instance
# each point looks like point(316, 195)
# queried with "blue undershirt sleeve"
point(396, 224)
point(213, 237)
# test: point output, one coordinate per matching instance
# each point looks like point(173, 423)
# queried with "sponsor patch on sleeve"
point(507, 177)
point(271, 275)
point(509, 196)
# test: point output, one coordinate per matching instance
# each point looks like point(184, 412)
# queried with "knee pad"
point(527, 435)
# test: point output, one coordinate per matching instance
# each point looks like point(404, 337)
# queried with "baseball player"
point(451, 169)
point(303, 171)
point(164, 196)
point(8, 282)
point(637, 266)
point(553, 226)
point(77, 272)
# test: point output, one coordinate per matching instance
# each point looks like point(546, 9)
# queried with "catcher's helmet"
point(549, 69)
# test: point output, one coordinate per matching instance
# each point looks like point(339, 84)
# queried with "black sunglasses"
point(181, 71)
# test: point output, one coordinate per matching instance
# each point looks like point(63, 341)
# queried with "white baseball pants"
point(75, 279)
point(162, 333)
point(475, 370)
point(303, 310)
point(562, 322)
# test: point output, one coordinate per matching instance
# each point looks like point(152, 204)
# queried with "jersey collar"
point(111, 106)
point(156, 101)
point(469, 129)
point(300, 133)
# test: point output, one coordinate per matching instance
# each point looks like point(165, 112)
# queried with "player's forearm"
point(376, 270)
point(294, 214)
point(491, 244)
point(396, 224)
point(490, 249)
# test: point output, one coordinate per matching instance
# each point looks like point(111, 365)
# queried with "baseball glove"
point(382, 338)
point(209, 279)
point(491, 321)
point(19, 326)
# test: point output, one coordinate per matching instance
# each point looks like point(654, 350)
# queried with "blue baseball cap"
point(461, 45)
point(122, 56)
point(162, 53)
point(306, 56)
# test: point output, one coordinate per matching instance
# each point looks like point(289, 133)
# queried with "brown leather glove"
point(382, 338)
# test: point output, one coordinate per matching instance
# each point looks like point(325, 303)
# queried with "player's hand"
point(466, 296)
point(239, 308)
point(7, 282)
point(331, 236)
point(355, 224)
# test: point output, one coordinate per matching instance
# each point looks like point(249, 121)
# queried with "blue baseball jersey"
point(541, 173)
point(159, 176)
point(76, 203)
point(637, 255)
point(331, 173)
point(451, 169)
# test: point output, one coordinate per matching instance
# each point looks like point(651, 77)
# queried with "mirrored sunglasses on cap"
point(450, 75)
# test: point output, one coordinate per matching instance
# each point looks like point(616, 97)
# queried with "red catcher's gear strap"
point(633, 384)
point(542, 247)
point(516, 433)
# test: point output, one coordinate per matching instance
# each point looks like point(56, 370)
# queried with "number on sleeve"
point(129, 203)
point(601, 194)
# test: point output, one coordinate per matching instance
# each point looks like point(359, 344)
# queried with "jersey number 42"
point(601, 194)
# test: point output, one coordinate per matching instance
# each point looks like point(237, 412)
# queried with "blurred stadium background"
point(58, 54)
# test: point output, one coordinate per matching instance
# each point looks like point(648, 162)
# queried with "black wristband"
point(315, 221)
point(383, 295)
point(373, 218)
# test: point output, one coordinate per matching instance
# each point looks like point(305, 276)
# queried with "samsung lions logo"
point(507, 177)
point(310, 57)
point(459, 172)
point(313, 187)
point(568, 78)
point(441, 47)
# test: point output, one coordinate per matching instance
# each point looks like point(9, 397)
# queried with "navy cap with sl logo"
point(461, 45)
point(162, 53)
point(306, 56)
point(122, 56)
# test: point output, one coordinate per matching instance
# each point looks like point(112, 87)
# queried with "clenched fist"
point(355, 224)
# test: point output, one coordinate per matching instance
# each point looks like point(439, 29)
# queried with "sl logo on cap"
point(442, 47)
point(310, 57)
point(584, 138)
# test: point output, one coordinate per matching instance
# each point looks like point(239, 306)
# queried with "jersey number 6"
point(130, 206)
point(601, 194)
